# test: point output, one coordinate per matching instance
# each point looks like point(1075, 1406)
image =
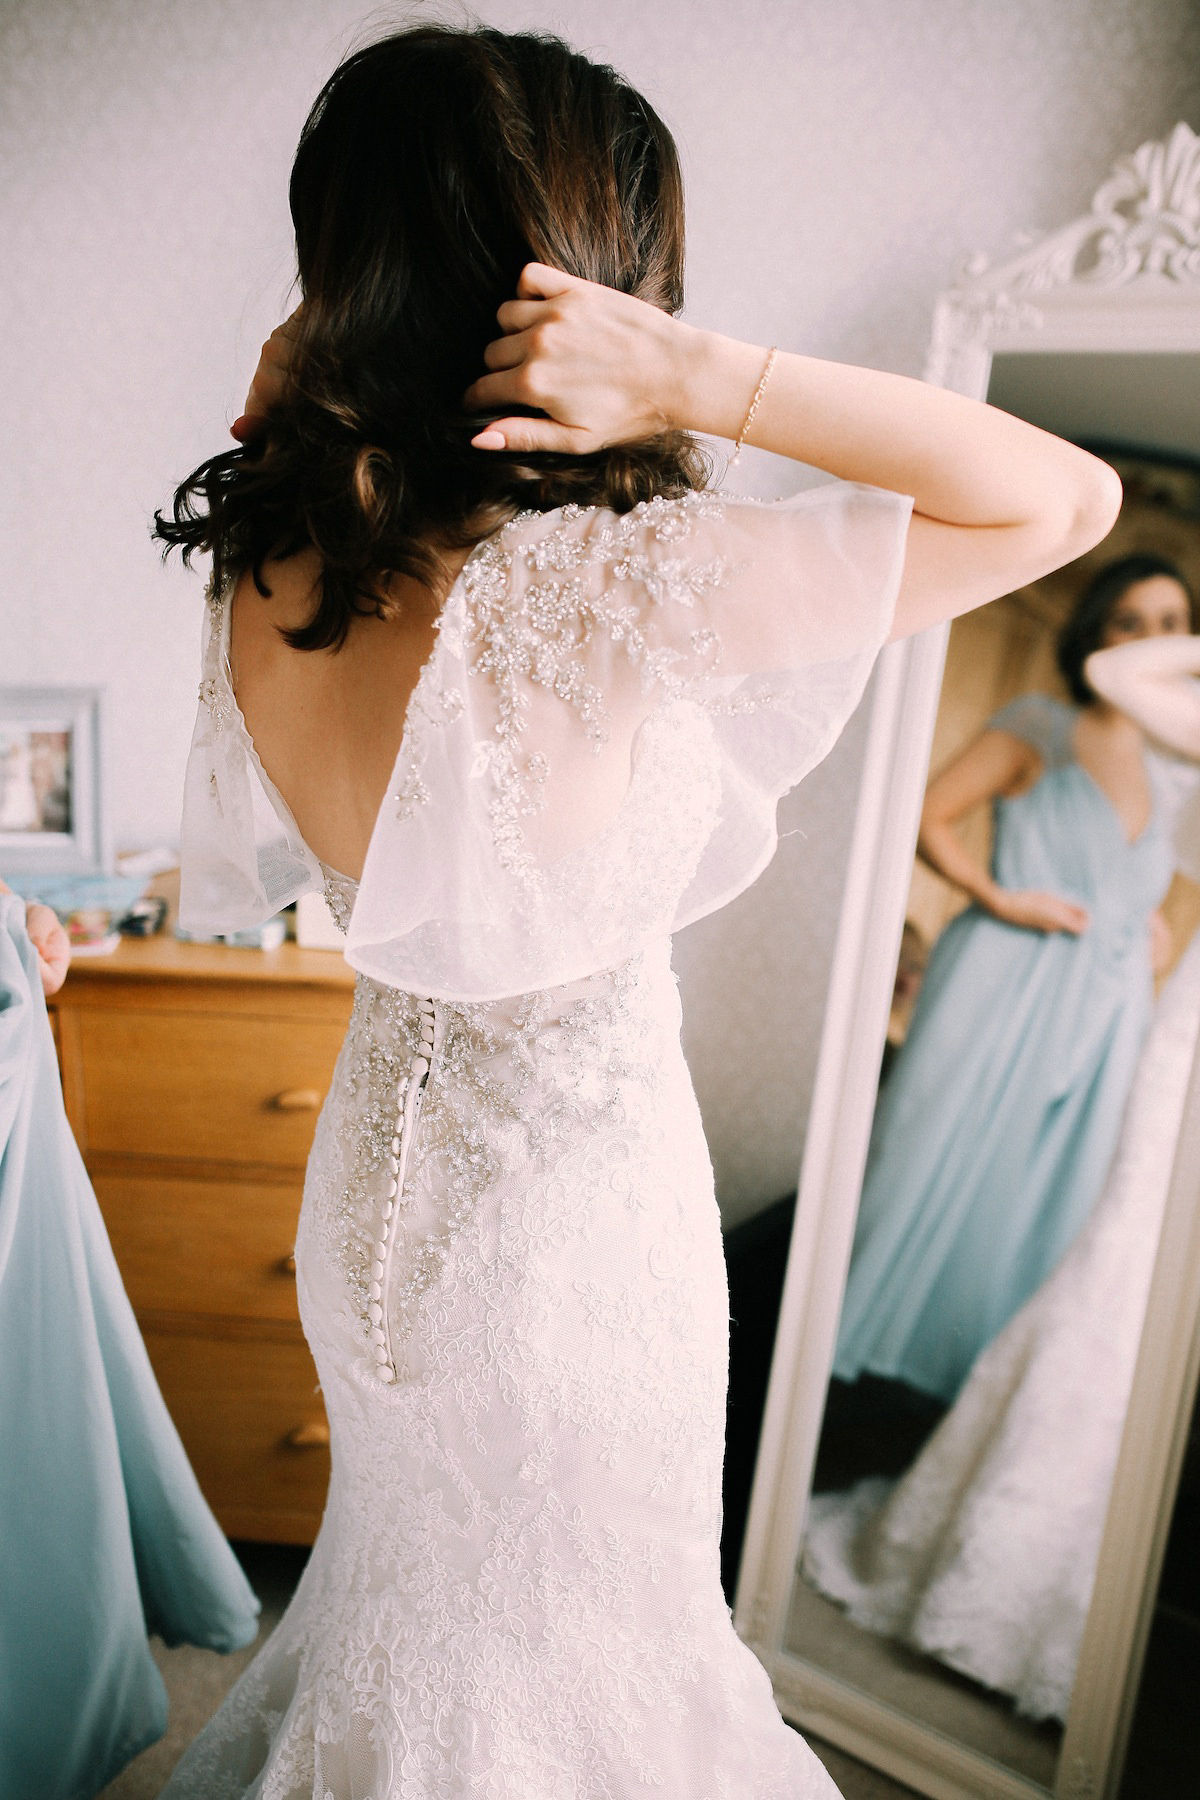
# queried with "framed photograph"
point(52, 819)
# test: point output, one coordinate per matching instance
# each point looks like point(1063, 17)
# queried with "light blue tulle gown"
point(996, 1125)
point(103, 1531)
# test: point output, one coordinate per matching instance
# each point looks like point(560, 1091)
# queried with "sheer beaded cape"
point(594, 750)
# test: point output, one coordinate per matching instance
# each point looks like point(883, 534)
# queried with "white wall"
point(841, 155)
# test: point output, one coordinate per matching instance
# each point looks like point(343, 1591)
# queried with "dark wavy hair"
point(434, 164)
point(1084, 628)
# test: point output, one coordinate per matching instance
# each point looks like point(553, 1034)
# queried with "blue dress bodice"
point(1064, 836)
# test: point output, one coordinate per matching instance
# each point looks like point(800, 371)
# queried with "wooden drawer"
point(198, 1085)
point(254, 1427)
point(203, 1246)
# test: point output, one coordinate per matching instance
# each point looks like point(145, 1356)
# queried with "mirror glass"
point(1030, 1096)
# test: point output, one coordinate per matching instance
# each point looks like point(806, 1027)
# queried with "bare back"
point(327, 725)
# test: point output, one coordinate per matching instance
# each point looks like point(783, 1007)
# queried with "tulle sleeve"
point(1047, 725)
point(241, 856)
point(621, 702)
point(595, 749)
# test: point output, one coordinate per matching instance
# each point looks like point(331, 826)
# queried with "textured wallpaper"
point(841, 155)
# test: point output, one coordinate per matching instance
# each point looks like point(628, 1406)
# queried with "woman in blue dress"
point(996, 1125)
point(105, 1534)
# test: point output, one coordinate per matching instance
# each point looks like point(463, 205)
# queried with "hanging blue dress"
point(996, 1125)
point(104, 1533)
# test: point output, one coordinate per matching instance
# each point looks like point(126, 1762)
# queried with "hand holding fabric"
point(49, 939)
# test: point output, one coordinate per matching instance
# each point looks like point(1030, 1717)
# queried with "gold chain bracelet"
point(755, 402)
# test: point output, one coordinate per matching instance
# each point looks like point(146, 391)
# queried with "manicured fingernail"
point(489, 440)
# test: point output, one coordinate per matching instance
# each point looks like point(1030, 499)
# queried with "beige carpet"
point(198, 1680)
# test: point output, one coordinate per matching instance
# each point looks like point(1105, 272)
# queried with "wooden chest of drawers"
point(193, 1075)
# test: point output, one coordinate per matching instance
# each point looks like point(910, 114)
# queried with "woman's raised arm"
point(1155, 682)
point(996, 501)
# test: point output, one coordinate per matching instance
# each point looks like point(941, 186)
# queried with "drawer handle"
point(296, 1100)
point(312, 1435)
point(286, 1264)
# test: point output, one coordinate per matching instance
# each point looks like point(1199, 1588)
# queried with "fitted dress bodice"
point(435, 1098)
point(1064, 836)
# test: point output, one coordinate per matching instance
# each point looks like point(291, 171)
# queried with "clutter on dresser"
point(144, 917)
point(88, 905)
point(98, 909)
point(267, 936)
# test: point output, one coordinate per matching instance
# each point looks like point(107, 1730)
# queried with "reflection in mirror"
point(1040, 1043)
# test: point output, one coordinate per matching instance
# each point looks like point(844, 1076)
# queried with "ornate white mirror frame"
point(1124, 278)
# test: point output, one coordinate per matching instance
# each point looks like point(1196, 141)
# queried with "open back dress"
point(509, 1258)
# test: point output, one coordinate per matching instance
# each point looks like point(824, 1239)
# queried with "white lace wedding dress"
point(984, 1554)
point(509, 1258)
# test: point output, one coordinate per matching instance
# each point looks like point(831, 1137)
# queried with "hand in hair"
point(267, 383)
point(997, 503)
point(563, 338)
point(596, 362)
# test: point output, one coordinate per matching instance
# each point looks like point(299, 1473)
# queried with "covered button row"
point(406, 1091)
point(419, 1066)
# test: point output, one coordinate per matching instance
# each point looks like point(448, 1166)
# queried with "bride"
point(487, 662)
point(984, 1554)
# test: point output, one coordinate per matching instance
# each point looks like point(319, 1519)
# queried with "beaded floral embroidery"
point(339, 898)
point(540, 632)
point(215, 694)
point(453, 1151)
